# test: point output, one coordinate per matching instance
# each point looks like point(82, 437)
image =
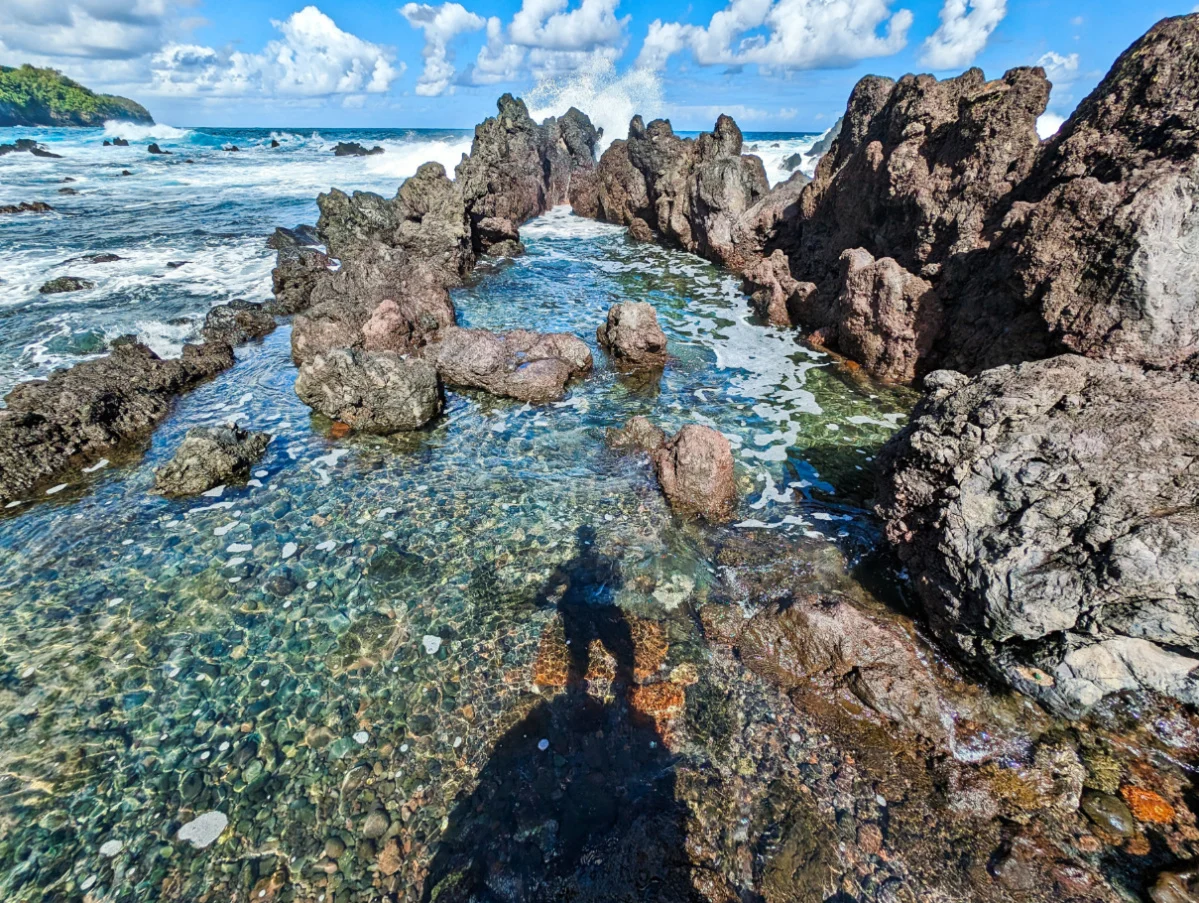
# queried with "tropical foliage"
point(32, 96)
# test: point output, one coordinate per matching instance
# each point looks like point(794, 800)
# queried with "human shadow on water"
point(578, 799)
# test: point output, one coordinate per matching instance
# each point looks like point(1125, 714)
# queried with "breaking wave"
point(609, 98)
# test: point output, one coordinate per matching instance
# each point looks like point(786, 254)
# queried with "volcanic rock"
point(94, 407)
point(638, 434)
point(632, 337)
point(210, 457)
point(354, 149)
point(26, 207)
point(300, 237)
point(297, 271)
point(1046, 515)
point(237, 322)
point(371, 392)
point(527, 366)
point(155, 149)
point(66, 284)
point(695, 470)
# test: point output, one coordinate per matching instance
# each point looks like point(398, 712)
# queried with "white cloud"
point(441, 24)
point(85, 29)
point(313, 58)
point(548, 25)
point(784, 34)
point(965, 27)
point(498, 61)
point(548, 39)
point(1061, 70)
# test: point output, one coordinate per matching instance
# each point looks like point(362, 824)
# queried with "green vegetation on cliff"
point(45, 97)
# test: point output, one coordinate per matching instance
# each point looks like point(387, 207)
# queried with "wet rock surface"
point(94, 407)
point(63, 284)
point(695, 471)
point(354, 149)
point(632, 337)
point(26, 207)
point(1033, 548)
point(527, 366)
point(371, 392)
point(210, 457)
point(237, 322)
point(297, 272)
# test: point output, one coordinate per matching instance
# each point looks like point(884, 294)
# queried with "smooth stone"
point(201, 831)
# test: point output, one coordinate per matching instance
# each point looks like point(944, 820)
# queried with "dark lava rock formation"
point(64, 284)
point(209, 457)
point(237, 322)
point(632, 337)
point(94, 407)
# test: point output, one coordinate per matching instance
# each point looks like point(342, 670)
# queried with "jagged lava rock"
point(371, 392)
point(527, 366)
point(886, 318)
point(93, 407)
point(237, 322)
point(1046, 513)
point(695, 470)
point(63, 284)
point(1110, 250)
point(301, 236)
point(632, 337)
point(405, 305)
point(210, 457)
point(297, 271)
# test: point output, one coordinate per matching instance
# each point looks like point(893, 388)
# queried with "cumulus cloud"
point(548, 39)
point(965, 27)
point(441, 24)
point(312, 58)
point(1061, 70)
point(86, 29)
point(783, 34)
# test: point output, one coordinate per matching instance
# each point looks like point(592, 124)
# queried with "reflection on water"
point(330, 655)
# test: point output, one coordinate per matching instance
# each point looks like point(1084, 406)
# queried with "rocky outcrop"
point(639, 434)
point(695, 470)
point(518, 169)
point(383, 301)
point(1046, 514)
point(297, 271)
point(63, 284)
point(692, 193)
point(27, 207)
point(155, 149)
point(885, 318)
point(371, 392)
point(301, 236)
point(427, 220)
point(354, 149)
point(209, 457)
point(94, 407)
point(632, 337)
point(237, 322)
point(528, 366)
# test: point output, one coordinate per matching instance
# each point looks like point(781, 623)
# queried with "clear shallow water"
point(211, 214)
point(361, 624)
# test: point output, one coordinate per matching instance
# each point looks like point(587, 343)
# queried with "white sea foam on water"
point(402, 158)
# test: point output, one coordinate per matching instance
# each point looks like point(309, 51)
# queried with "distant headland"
point(45, 97)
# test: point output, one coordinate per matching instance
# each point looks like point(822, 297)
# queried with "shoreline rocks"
point(237, 322)
point(695, 471)
point(26, 207)
point(209, 457)
point(527, 366)
point(378, 393)
point(352, 149)
point(93, 407)
point(63, 284)
point(1044, 512)
point(632, 337)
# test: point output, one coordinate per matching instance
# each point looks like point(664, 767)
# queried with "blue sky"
point(785, 65)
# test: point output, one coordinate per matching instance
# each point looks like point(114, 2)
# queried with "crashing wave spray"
point(611, 100)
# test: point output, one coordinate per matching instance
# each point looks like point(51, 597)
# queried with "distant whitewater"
point(189, 227)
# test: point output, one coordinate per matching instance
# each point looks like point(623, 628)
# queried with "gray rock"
point(237, 322)
point(94, 407)
point(210, 457)
point(527, 366)
point(64, 284)
point(297, 271)
point(354, 149)
point(371, 392)
point(1046, 514)
point(632, 337)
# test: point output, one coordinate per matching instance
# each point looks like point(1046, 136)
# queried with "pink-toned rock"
point(887, 319)
point(524, 365)
point(632, 337)
point(695, 470)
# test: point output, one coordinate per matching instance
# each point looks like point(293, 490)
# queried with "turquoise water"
point(359, 626)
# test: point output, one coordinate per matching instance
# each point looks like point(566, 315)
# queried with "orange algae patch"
point(1147, 806)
